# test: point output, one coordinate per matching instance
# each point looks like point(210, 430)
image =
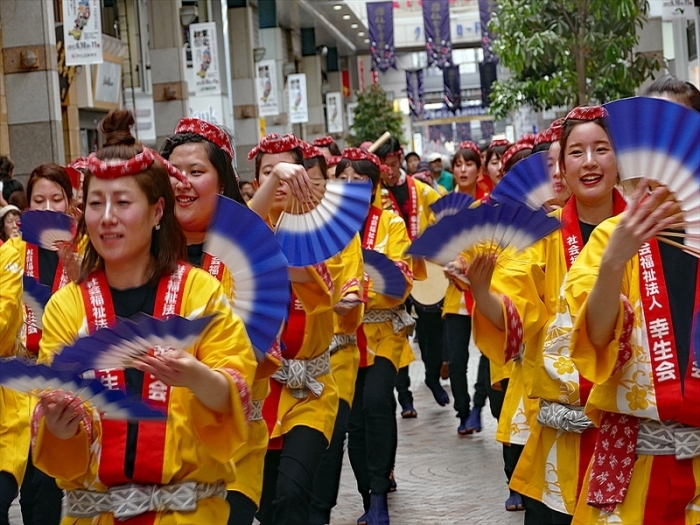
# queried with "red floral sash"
point(413, 222)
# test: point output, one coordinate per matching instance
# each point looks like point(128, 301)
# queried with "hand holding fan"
point(450, 204)
point(35, 295)
point(387, 278)
point(248, 248)
point(46, 228)
point(527, 182)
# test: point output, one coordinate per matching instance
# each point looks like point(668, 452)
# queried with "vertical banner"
point(351, 113)
point(436, 23)
point(487, 129)
point(453, 90)
point(205, 59)
point(346, 83)
point(266, 82)
point(82, 32)
point(380, 18)
point(464, 131)
point(441, 133)
point(486, 8)
point(298, 103)
point(415, 90)
point(334, 112)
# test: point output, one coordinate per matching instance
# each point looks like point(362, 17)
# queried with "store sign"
point(82, 32)
point(205, 59)
point(298, 102)
point(678, 10)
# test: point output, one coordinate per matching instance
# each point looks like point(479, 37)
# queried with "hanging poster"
point(205, 59)
point(351, 113)
point(380, 19)
point(415, 91)
point(82, 32)
point(486, 9)
point(334, 112)
point(452, 96)
point(298, 104)
point(436, 24)
point(268, 105)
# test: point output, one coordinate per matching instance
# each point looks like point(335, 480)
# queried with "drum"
point(430, 292)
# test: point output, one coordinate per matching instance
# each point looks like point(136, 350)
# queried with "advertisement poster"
point(334, 112)
point(268, 105)
point(298, 104)
point(205, 60)
point(351, 113)
point(82, 32)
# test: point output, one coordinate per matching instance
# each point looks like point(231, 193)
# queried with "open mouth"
point(591, 180)
point(111, 237)
point(184, 200)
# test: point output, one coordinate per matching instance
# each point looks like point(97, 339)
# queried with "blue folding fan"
point(35, 379)
point(450, 204)
point(660, 140)
point(490, 226)
point(527, 182)
point(311, 236)
point(386, 277)
point(119, 346)
point(35, 295)
point(45, 228)
point(250, 251)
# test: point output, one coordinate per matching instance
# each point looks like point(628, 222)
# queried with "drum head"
point(431, 291)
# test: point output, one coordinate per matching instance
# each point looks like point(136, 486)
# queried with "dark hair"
point(18, 198)
point(9, 186)
point(569, 125)
point(466, 154)
point(217, 157)
point(684, 92)
point(391, 147)
point(317, 161)
point(542, 146)
point(520, 155)
point(333, 148)
point(6, 168)
point(363, 167)
point(296, 153)
point(54, 173)
point(168, 244)
point(496, 150)
point(411, 154)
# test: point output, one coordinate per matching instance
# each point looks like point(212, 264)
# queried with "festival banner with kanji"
point(415, 91)
point(436, 23)
point(453, 90)
point(380, 18)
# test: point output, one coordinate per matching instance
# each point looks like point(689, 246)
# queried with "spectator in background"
point(424, 173)
point(247, 189)
point(442, 177)
point(8, 185)
point(412, 161)
point(9, 222)
point(19, 198)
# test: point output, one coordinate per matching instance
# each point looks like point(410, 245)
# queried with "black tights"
point(8, 492)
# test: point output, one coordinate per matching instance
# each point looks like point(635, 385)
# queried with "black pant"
point(459, 329)
point(511, 455)
point(429, 333)
point(8, 492)
point(327, 481)
point(288, 478)
point(496, 398)
point(40, 498)
point(537, 513)
point(242, 508)
point(372, 434)
point(403, 387)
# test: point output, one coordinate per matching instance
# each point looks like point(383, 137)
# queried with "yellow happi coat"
point(630, 390)
point(199, 442)
point(14, 407)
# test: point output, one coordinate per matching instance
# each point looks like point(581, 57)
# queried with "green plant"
point(374, 115)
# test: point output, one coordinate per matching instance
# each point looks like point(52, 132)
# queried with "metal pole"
point(227, 53)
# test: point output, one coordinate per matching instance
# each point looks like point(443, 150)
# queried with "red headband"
point(323, 142)
point(273, 143)
point(209, 131)
point(527, 138)
point(310, 151)
point(395, 153)
point(358, 154)
point(79, 164)
point(385, 169)
point(587, 113)
point(515, 148)
point(499, 142)
point(75, 177)
point(114, 169)
point(333, 160)
point(468, 144)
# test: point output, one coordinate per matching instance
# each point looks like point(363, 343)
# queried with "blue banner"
point(487, 129)
point(486, 8)
point(380, 18)
point(415, 91)
point(464, 131)
point(436, 23)
point(453, 90)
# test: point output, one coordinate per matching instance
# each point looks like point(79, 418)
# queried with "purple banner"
point(415, 91)
point(464, 131)
point(453, 91)
point(380, 17)
point(441, 133)
point(486, 8)
point(436, 23)
point(487, 129)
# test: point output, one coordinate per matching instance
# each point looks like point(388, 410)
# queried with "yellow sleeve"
point(427, 196)
point(396, 246)
point(11, 312)
point(63, 319)
point(317, 296)
point(350, 280)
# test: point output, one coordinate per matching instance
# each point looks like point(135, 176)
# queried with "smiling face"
point(47, 195)
point(267, 162)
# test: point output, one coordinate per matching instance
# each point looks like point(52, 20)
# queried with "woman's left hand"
point(347, 304)
point(175, 368)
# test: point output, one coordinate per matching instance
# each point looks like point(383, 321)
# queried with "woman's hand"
point(175, 368)
point(347, 304)
point(296, 178)
point(61, 413)
point(480, 273)
point(69, 259)
point(456, 272)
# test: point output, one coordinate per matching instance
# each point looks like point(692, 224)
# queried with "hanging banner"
point(334, 112)
point(346, 83)
point(298, 104)
point(266, 82)
point(82, 32)
point(453, 91)
point(205, 59)
point(380, 19)
point(436, 24)
point(351, 113)
point(415, 90)
point(486, 9)
point(487, 129)
point(464, 131)
point(441, 133)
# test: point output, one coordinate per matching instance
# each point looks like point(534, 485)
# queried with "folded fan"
point(46, 228)
point(490, 226)
point(35, 379)
point(310, 236)
point(250, 251)
point(119, 346)
point(35, 295)
point(527, 182)
point(660, 140)
point(387, 278)
point(450, 205)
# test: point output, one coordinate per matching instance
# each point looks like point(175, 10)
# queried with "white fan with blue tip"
point(312, 234)
point(527, 182)
point(35, 295)
point(35, 379)
point(250, 251)
point(490, 226)
point(450, 204)
point(46, 228)
point(659, 140)
point(387, 279)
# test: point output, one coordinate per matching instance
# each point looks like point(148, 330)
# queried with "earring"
point(157, 226)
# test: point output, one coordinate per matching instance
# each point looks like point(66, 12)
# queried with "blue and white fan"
point(450, 204)
point(527, 182)
point(121, 345)
point(250, 251)
point(46, 228)
point(387, 278)
point(35, 379)
point(491, 227)
point(311, 236)
point(35, 295)
point(660, 140)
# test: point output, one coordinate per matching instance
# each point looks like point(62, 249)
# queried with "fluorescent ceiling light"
point(346, 17)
